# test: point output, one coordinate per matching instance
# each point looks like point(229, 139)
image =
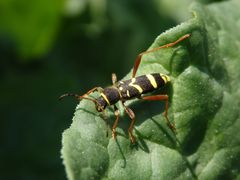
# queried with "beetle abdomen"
point(142, 84)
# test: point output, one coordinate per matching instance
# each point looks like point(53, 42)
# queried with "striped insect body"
point(136, 87)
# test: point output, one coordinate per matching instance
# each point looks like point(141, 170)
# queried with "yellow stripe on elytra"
point(140, 90)
point(152, 80)
point(128, 94)
point(105, 97)
point(165, 78)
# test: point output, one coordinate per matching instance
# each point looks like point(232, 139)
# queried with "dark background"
point(47, 49)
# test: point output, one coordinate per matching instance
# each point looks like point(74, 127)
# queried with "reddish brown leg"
point(139, 57)
point(132, 117)
point(99, 89)
point(116, 112)
point(160, 98)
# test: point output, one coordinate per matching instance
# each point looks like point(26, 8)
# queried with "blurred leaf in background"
point(32, 25)
point(97, 14)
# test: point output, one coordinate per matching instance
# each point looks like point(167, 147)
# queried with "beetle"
point(135, 87)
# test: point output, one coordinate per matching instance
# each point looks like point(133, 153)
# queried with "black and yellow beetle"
point(130, 89)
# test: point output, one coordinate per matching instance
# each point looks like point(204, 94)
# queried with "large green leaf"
point(204, 105)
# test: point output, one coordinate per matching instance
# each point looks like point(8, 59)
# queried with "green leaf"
point(32, 25)
point(204, 105)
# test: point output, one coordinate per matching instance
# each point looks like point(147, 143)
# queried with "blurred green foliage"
point(32, 25)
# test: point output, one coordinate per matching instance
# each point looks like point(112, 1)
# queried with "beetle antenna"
point(78, 97)
point(69, 94)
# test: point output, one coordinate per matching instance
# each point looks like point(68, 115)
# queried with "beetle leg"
point(132, 117)
point(160, 98)
point(98, 89)
point(139, 57)
point(117, 113)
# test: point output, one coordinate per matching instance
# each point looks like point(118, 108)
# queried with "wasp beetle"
point(135, 87)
